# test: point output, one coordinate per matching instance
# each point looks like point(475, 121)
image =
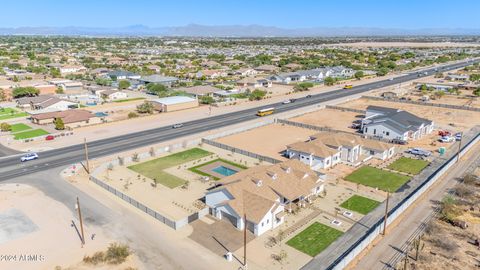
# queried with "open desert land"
point(270, 140)
point(331, 118)
point(48, 234)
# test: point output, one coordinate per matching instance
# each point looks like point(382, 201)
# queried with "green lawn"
point(314, 239)
point(408, 165)
point(9, 113)
point(195, 169)
point(154, 169)
point(376, 178)
point(360, 204)
point(128, 99)
point(19, 127)
point(29, 134)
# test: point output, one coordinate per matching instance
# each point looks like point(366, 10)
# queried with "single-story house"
point(46, 102)
point(113, 94)
point(71, 118)
point(254, 83)
point(262, 193)
point(457, 77)
point(176, 103)
point(117, 75)
point(246, 72)
point(326, 149)
point(390, 123)
point(211, 74)
point(167, 81)
point(200, 90)
point(267, 68)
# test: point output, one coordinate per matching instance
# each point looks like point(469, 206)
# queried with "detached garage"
point(170, 104)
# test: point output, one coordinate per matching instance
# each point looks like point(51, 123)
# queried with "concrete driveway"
point(219, 237)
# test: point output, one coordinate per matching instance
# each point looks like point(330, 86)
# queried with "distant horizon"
point(287, 14)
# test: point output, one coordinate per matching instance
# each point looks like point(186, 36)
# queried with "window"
point(374, 131)
point(268, 221)
point(262, 224)
point(388, 133)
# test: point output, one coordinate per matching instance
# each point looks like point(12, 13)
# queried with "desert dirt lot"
point(47, 233)
point(268, 140)
point(335, 119)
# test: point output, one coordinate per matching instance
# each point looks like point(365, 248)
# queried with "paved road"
point(153, 245)
point(378, 256)
point(9, 167)
point(5, 151)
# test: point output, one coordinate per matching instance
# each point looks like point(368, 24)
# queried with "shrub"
point(96, 258)
point(5, 127)
point(117, 253)
point(132, 115)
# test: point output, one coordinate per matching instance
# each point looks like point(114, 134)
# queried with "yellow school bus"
point(266, 111)
point(347, 86)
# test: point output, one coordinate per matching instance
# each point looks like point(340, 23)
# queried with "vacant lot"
point(314, 239)
point(376, 178)
point(30, 134)
point(9, 113)
point(340, 120)
point(360, 204)
point(19, 127)
point(154, 169)
point(408, 165)
point(270, 140)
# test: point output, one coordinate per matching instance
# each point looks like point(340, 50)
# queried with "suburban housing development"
point(239, 135)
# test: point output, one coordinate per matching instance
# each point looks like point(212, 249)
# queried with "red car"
point(49, 138)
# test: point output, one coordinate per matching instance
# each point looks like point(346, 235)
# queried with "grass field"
point(19, 127)
point(154, 169)
point(29, 134)
point(9, 113)
point(128, 99)
point(376, 178)
point(195, 169)
point(360, 204)
point(408, 165)
point(314, 239)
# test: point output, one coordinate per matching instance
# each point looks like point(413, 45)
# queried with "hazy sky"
point(411, 14)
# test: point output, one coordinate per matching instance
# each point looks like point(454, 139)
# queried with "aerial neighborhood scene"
point(239, 135)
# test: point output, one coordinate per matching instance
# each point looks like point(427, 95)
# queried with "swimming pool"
point(224, 170)
point(100, 114)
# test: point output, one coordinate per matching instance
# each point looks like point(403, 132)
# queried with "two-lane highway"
point(10, 167)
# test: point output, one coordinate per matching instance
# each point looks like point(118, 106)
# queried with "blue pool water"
point(224, 170)
point(101, 114)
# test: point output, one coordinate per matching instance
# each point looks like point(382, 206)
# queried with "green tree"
point(3, 96)
point(423, 87)
point(123, 84)
point(358, 75)
point(55, 72)
point(257, 94)
point(476, 92)
point(475, 77)
point(329, 81)
point(145, 107)
point(5, 127)
point(439, 94)
point(28, 91)
point(303, 86)
point(206, 100)
point(15, 78)
point(382, 71)
point(157, 89)
point(103, 81)
point(59, 125)
point(59, 90)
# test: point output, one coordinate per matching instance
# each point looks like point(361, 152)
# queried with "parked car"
point(355, 125)
point(458, 136)
point(419, 152)
point(286, 101)
point(50, 137)
point(308, 96)
point(177, 126)
point(399, 141)
point(293, 100)
point(446, 139)
point(444, 133)
point(28, 157)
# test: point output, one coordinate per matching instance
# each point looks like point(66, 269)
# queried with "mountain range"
point(196, 30)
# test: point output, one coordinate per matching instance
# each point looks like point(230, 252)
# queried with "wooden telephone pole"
point(245, 241)
point(81, 221)
point(386, 214)
point(86, 155)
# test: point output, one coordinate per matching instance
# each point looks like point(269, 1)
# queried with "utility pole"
point(386, 214)
point(81, 221)
point(86, 155)
point(245, 241)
